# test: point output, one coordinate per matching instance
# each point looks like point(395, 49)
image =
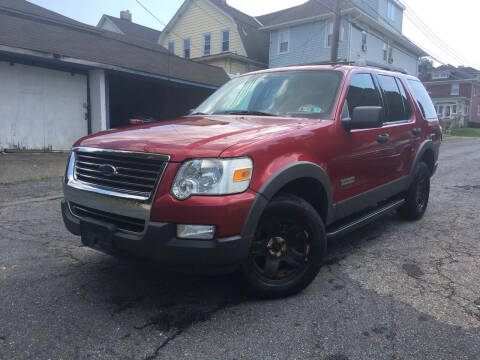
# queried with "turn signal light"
point(242, 174)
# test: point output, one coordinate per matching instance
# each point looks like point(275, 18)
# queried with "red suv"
point(261, 175)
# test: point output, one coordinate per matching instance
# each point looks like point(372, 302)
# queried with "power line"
point(415, 15)
point(161, 22)
point(456, 55)
point(152, 14)
point(431, 54)
point(445, 49)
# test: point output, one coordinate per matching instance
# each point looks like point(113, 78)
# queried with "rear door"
point(399, 127)
point(431, 127)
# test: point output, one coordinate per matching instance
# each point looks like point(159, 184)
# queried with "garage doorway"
point(132, 96)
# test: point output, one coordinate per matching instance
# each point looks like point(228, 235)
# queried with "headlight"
point(212, 177)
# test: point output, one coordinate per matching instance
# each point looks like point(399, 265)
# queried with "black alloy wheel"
point(418, 194)
point(281, 247)
point(287, 250)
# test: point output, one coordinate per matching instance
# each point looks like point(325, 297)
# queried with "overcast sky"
point(453, 22)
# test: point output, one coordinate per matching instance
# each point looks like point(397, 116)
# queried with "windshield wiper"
point(198, 113)
point(243, 112)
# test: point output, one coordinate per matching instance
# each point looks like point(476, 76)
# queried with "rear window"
point(421, 96)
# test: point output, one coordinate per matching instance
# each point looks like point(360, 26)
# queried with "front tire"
point(286, 253)
point(418, 194)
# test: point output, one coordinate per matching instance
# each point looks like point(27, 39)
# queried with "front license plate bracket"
point(97, 235)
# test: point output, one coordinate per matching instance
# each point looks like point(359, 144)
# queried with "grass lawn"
point(466, 132)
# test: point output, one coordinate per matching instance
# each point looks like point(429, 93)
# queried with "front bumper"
point(159, 243)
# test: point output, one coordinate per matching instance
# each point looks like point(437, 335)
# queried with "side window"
point(362, 92)
point(406, 101)
point(423, 100)
point(393, 99)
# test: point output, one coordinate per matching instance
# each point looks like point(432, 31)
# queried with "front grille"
point(123, 172)
point(124, 223)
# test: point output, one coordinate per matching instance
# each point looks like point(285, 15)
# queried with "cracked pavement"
point(393, 290)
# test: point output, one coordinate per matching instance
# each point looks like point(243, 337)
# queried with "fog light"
point(203, 232)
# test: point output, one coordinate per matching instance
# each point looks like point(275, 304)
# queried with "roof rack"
point(362, 63)
point(373, 64)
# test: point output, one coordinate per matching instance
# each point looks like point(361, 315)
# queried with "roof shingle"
point(27, 26)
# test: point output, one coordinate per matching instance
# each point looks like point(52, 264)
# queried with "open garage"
point(149, 98)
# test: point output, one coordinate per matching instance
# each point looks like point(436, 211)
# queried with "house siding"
point(445, 90)
point(107, 25)
point(368, 6)
point(231, 66)
point(200, 18)
point(401, 58)
point(307, 45)
point(474, 117)
point(397, 23)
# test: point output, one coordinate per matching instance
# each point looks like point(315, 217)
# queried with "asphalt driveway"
point(394, 290)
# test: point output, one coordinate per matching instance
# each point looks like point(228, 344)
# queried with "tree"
point(424, 68)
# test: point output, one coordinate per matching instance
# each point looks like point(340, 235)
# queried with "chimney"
point(126, 15)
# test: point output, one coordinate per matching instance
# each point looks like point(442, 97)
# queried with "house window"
point(385, 52)
point(466, 110)
point(329, 38)
point(455, 89)
point(454, 109)
point(186, 48)
point(329, 34)
point(440, 111)
point(390, 55)
point(364, 41)
point(226, 40)
point(171, 46)
point(478, 110)
point(283, 41)
point(207, 40)
point(440, 75)
point(391, 10)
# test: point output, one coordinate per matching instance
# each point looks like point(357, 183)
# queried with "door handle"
point(383, 138)
point(417, 131)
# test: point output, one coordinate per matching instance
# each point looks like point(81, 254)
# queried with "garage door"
point(41, 109)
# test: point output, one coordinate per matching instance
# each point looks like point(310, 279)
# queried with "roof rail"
point(387, 67)
point(362, 63)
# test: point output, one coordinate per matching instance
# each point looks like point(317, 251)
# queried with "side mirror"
point(364, 117)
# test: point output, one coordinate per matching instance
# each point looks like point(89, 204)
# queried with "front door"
point(368, 159)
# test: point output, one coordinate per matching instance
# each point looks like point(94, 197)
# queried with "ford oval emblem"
point(108, 170)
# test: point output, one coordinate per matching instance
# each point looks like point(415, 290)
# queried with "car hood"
point(193, 136)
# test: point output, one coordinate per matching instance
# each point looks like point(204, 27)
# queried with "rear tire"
point(286, 253)
point(418, 194)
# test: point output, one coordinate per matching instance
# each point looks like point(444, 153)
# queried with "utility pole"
point(336, 31)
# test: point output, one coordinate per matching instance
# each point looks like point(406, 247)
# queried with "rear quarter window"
point(423, 100)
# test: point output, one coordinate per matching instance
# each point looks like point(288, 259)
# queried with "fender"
point(426, 145)
point(277, 181)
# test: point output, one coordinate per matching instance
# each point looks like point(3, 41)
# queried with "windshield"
point(307, 93)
